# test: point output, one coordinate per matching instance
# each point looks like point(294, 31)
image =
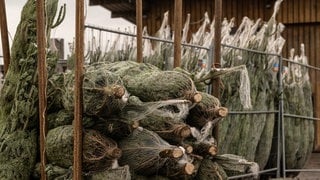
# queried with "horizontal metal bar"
point(251, 50)
point(301, 64)
point(302, 117)
point(145, 37)
point(251, 112)
point(198, 46)
point(302, 170)
point(252, 174)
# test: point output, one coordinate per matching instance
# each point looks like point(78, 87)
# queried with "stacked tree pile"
point(252, 135)
point(153, 121)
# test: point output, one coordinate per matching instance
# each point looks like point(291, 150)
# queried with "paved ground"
point(313, 163)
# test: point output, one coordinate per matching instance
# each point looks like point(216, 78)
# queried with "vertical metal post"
point(4, 36)
point(279, 123)
point(281, 135)
point(177, 32)
point(208, 67)
point(42, 82)
point(139, 30)
point(78, 108)
point(217, 52)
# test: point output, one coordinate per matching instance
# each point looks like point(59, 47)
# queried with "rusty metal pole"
point(4, 36)
point(177, 32)
point(78, 107)
point(139, 30)
point(42, 82)
point(217, 53)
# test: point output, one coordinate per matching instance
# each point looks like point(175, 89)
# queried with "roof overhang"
point(121, 8)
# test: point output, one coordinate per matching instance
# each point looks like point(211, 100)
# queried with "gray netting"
point(161, 85)
point(64, 117)
point(210, 170)
point(103, 92)
point(204, 111)
point(237, 165)
point(299, 132)
point(99, 152)
point(141, 151)
point(124, 68)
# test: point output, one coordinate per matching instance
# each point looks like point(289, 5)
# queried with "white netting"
point(244, 90)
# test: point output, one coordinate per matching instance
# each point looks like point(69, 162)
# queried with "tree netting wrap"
point(236, 165)
point(99, 152)
point(174, 110)
point(161, 85)
point(250, 135)
point(147, 153)
point(171, 131)
point(115, 127)
point(210, 170)
point(297, 94)
point(65, 117)
point(124, 68)
point(103, 92)
point(120, 173)
point(53, 172)
point(209, 109)
point(55, 92)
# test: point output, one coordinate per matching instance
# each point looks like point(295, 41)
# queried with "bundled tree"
point(19, 96)
point(99, 152)
point(103, 92)
point(147, 153)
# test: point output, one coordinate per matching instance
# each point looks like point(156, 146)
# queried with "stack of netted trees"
point(139, 122)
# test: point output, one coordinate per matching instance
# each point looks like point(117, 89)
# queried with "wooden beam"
point(139, 30)
point(177, 32)
point(217, 53)
point(42, 82)
point(117, 14)
point(101, 2)
point(78, 108)
point(4, 36)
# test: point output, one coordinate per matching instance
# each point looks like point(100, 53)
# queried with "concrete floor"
point(313, 163)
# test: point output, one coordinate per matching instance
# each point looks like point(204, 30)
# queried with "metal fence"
point(280, 170)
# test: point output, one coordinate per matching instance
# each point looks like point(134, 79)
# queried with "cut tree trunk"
point(99, 152)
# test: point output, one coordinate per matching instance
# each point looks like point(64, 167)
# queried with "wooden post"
point(317, 115)
point(217, 53)
point(42, 82)
point(4, 36)
point(78, 108)
point(177, 32)
point(139, 30)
